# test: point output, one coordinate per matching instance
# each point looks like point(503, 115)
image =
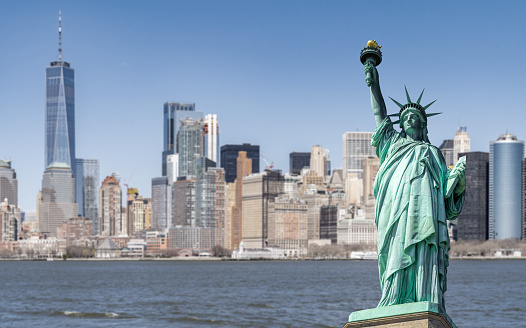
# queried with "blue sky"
point(282, 74)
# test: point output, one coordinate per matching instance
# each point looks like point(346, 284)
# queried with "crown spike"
point(431, 103)
point(396, 102)
point(60, 36)
point(407, 94)
point(419, 98)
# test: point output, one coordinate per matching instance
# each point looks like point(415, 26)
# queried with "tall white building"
point(356, 147)
point(461, 143)
point(172, 167)
point(211, 135)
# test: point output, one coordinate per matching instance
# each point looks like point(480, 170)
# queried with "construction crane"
point(269, 166)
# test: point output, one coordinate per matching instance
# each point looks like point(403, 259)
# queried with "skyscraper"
point(173, 113)
point(244, 167)
point(505, 189)
point(190, 145)
point(60, 111)
point(211, 136)
point(472, 223)
point(110, 198)
point(229, 154)
point(318, 163)
point(448, 151)
point(161, 203)
point(297, 161)
point(356, 147)
point(58, 198)
point(8, 184)
point(87, 185)
point(461, 143)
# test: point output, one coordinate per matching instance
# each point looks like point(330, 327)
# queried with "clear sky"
point(281, 74)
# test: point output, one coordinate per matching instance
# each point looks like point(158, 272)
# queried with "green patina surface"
point(393, 310)
point(416, 193)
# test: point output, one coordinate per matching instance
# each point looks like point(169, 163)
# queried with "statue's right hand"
point(371, 74)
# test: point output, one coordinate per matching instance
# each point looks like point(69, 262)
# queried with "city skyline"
point(281, 76)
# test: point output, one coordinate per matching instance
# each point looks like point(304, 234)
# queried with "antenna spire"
point(59, 36)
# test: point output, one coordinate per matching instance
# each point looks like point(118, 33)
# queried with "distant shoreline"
point(232, 260)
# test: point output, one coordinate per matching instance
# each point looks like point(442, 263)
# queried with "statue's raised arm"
point(371, 57)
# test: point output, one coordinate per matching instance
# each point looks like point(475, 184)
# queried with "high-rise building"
point(210, 202)
point(229, 154)
point(505, 187)
point(211, 137)
point(110, 200)
point(314, 202)
point(138, 212)
point(317, 161)
point(161, 203)
point(173, 113)
point(297, 161)
point(371, 166)
point(448, 151)
point(258, 191)
point(472, 223)
point(356, 147)
point(183, 202)
point(190, 145)
point(329, 223)
point(8, 183)
point(60, 111)
point(87, 185)
point(230, 200)
point(58, 198)
point(523, 236)
point(172, 167)
point(244, 167)
point(461, 143)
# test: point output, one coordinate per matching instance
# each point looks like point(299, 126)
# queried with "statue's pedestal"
point(410, 315)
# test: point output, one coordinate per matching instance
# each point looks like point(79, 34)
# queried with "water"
point(490, 293)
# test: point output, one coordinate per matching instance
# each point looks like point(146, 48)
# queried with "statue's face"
point(412, 123)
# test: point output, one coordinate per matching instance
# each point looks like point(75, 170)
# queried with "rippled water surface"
point(485, 293)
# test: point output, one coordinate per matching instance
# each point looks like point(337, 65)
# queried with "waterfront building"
point(315, 200)
point(183, 202)
point(267, 253)
point(505, 187)
point(230, 201)
point(472, 223)
point(244, 166)
point(108, 249)
point(329, 223)
point(37, 247)
point(60, 111)
point(173, 113)
point(229, 154)
point(298, 161)
point(354, 228)
point(110, 200)
point(58, 198)
point(461, 143)
point(287, 226)
point(76, 231)
point(356, 147)
point(8, 183)
point(448, 151)
point(161, 203)
point(9, 222)
point(191, 237)
point(87, 184)
point(259, 190)
point(211, 137)
point(190, 146)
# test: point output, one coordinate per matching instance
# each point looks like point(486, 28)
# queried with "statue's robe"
point(411, 213)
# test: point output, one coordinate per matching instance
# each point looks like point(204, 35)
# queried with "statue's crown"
point(414, 106)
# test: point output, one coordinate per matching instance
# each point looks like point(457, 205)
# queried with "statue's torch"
point(371, 54)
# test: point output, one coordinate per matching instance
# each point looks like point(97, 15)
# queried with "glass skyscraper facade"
point(161, 203)
point(60, 114)
point(229, 154)
point(297, 161)
point(87, 189)
point(505, 187)
point(8, 184)
point(173, 113)
point(190, 146)
point(356, 147)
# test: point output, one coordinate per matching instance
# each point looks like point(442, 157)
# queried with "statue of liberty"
point(416, 193)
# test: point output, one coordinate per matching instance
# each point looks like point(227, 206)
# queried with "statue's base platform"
point(410, 315)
